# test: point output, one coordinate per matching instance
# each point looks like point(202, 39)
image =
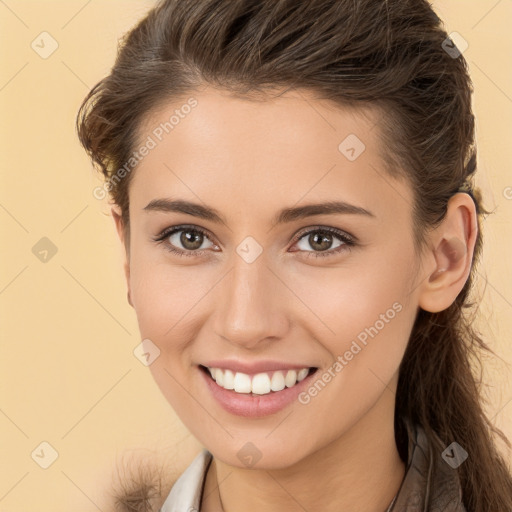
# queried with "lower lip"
point(252, 406)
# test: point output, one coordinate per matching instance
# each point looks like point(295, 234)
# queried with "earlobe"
point(453, 244)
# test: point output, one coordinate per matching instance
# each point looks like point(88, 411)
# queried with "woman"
point(292, 182)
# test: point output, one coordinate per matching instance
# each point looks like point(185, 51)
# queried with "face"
point(247, 276)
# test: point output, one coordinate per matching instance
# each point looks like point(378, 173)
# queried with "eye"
point(321, 239)
point(190, 238)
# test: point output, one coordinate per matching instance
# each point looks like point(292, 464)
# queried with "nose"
point(251, 309)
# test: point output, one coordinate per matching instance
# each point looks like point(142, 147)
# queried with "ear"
point(450, 254)
point(118, 220)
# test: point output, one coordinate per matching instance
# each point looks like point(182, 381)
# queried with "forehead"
point(235, 152)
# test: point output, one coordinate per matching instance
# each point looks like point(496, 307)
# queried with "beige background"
point(69, 376)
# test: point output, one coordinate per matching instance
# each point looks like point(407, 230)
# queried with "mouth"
point(259, 384)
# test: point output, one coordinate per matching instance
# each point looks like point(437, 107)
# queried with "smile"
point(260, 383)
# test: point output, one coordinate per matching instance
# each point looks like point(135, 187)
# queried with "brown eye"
point(191, 240)
point(184, 240)
point(321, 240)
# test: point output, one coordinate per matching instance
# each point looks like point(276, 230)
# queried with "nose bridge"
point(247, 312)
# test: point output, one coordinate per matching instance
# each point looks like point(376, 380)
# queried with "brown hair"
point(386, 53)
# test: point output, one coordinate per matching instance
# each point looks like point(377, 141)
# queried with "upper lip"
point(254, 366)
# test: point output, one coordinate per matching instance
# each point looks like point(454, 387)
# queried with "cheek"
point(355, 301)
point(164, 293)
point(363, 316)
point(372, 321)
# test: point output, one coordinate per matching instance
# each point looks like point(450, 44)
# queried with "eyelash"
point(348, 241)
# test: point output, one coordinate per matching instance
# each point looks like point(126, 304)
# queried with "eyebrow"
point(284, 216)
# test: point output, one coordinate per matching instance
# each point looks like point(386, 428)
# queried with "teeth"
point(242, 382)
point(229, 380)
point(259, 384)
point(291, 378)
point(277, 383)
point(302, 374)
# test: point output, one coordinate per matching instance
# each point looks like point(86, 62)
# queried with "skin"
point(248, 160)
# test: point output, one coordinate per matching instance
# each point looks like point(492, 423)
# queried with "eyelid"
point(167, 232)
point(334, 231)
point(348, 240)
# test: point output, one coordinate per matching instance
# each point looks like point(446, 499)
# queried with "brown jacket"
point(430, 484)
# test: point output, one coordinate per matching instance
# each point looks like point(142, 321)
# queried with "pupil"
point(189, 241)
point(318, 244)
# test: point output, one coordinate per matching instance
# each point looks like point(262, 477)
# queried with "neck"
point(360, 470)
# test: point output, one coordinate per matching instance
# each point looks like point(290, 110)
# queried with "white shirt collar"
point(185, 495)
